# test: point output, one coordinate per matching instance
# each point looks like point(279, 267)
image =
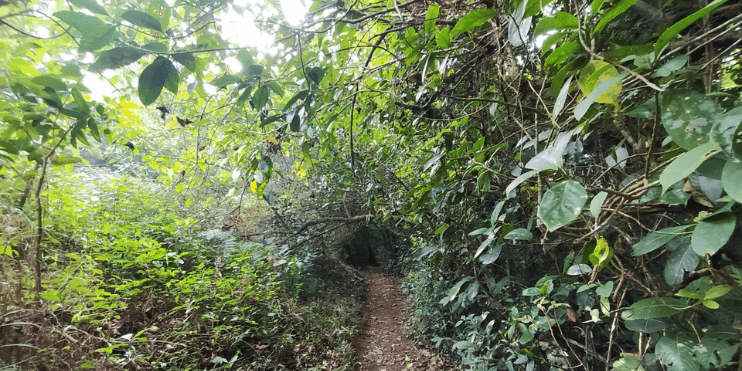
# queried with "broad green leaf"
point(602, 254)
point(118, 57)
point(160, 10)
point(731, 180)
point(561, 204)
point(95, 33)
point(443, 39)
point(605, 290)
point(491, 255)
point(453, 291)
point(595, 73)
point(51, 82)
point(92, 41)
point(724, 131)
point(671, 66)
point(66, 160)
point(156, 47)
point(431, 17)
point(552, 157)
point(628, 363)
point(495, 216)
point(518, 26)
point(676, 196)
point(579, 269)
point(186, 59)
point(299, 96)
point(560, 21)
point(712, 233)
point(655, 240)
point(561, 98)
point(648, 325)
point(681, 260)
point(225, 80)
point(517, 181)
point(716, 349)
point(717, 291)
point(679, 26)
point(561, 53)
point(519, 234)
point(260, 98)
point(90, 5)
point(465, 344)
point(425, 251)
point(526, 334)
point(315, 74)
point(676, 352)
point(656, 307)
point(688, 117)
point(154, 78)
point(142, 19)
point(472, 20)
point(612, 86)
point(617, 10)
point(686, 163)
point(485, 244)
point(597, 203)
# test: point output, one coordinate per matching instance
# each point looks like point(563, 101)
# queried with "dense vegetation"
point(568, 175)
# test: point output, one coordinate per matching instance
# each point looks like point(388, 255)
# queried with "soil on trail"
point(382, 344)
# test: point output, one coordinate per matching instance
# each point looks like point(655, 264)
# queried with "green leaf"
point(656, 307)
point(686, 163)
point(716, 349)
point(517, 181)
point(725, 129)
point(675, 197)
point(560, 21)
point(142, 19)
point(315, 74)
point(465, 344)
point(597, 203)
point(260, 98)
point(617, 10)
point(95, 33)
point(61, 160)
point(712, 233)
point(472, 20)
point(425, 251)
point(675, 29)
point(655, 240)
point(225, 80)
point(561, 204)
point(561, 98)
point(561, 53)
point(681, 260)
point(491, 255)
point(552, 157)
point(90, 5)
point(484, 244)
point(688, 117)
point(453, 291)
point(671, 66)
point(731, 180)
point(118, 57)
point(431, 17)
point(154, 78)
point(160, 10)
point(156, 47)
point(186, 59)
point(646, 325)
point(51, 82)
point(628, 363)
point(602, 254)
point(717, 291)
point(601, 77)
point(676, 352)
point(443, 39)
point(519, 234)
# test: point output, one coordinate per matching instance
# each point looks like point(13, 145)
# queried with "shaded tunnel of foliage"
point(568, 173)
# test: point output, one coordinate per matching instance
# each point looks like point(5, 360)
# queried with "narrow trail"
point(382, 344)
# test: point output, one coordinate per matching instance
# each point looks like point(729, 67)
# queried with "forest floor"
point(383, 344)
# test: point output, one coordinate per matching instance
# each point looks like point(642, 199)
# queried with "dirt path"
point(382, 344)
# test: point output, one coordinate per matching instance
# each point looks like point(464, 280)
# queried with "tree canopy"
point(568, 173)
